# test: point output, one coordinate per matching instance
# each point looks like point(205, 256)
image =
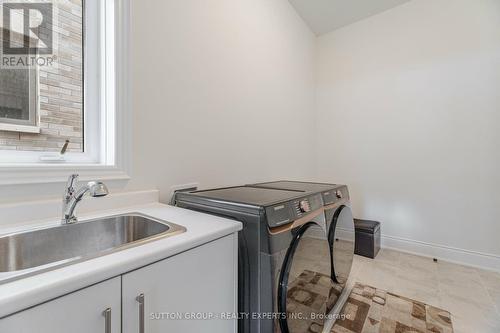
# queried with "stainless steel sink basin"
point(35, 251)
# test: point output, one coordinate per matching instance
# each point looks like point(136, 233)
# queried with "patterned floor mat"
point(310, 296)
point(371, 310)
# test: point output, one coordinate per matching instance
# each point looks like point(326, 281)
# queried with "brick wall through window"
point(60, 89)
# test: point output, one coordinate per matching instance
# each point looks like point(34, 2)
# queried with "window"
point(19, 99)
point(59, 82)
point(45, 100)
point(19, 94)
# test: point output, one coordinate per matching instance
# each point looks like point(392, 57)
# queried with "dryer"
point(339, 223)
point(284, 278)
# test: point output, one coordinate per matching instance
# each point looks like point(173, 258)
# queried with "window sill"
point(19, 128)
point(46, 174)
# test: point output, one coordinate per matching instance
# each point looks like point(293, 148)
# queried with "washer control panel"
point(304, 206)
point(279, 215)
point(335, 195)
point(287, 212)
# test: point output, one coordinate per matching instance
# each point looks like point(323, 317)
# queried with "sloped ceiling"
point(324, 16)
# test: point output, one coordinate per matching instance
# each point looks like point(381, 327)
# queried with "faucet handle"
point(70, 185)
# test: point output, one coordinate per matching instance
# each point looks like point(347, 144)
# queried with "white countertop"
point(33, 290)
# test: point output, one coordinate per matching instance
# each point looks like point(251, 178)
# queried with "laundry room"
point(249, 166)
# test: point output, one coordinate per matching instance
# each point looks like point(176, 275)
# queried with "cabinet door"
point(186, 293)
point(78, 312)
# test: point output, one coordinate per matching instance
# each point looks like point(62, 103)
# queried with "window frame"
point(112, 133)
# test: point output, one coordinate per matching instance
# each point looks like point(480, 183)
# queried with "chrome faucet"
point(72, 197)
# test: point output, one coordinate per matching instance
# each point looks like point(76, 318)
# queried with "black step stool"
point(367, 238)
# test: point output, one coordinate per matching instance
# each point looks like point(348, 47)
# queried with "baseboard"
point(441, 252)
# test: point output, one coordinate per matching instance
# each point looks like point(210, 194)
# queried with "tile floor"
point(471, 295)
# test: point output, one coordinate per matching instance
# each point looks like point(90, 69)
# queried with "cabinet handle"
point(140, 299)
point(107, 320)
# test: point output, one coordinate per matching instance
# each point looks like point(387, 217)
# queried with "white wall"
point(409, 117)
point(222, 92)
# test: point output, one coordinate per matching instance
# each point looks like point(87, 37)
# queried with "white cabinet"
point(187, 293)
point(78, 312)
point(192, 286)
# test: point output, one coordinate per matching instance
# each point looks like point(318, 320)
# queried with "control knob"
point(339, 194)
point(304, 206)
